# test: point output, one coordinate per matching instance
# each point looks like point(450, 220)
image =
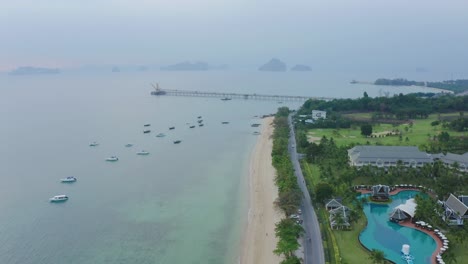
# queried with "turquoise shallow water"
point(389, 237)
point(182, 203)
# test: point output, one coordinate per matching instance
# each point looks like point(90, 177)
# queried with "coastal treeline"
point(289, 193)
point(400, 107)
point(456, 86)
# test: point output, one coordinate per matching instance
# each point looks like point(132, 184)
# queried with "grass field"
point(416, 135)
point(350, 249)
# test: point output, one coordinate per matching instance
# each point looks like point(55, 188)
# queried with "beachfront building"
point(388, 156)
point(339, 217)
point(317, 114)
point(333, 204)
point(380, 192)
point(451, 159)
point(456, 209)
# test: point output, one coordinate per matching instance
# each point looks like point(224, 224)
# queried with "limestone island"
point(28, 70)
point(274, 65)
point(301, 67)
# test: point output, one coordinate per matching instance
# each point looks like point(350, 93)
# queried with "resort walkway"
point(313, 248)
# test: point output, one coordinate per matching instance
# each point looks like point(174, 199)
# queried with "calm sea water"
point(183, 203)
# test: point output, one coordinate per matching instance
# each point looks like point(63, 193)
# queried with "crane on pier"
point(157, 90)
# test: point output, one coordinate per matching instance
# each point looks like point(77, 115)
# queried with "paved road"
point(313, 250)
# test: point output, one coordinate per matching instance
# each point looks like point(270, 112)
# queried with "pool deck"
point(411, 225)
point(362, 191)
point(430, 233)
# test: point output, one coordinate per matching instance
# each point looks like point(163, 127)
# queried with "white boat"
point(143, 152)
point(94, 144)
point(161, 135)
point(112, 158)
point(68, 179)
point(58, 198)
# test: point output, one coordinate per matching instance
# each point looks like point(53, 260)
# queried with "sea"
point(182, 203)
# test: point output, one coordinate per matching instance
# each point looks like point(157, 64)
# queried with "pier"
point(228, 96)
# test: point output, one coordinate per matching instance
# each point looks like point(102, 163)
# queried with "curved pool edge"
point(363, 237)
point(432, 235)
point(366, 248)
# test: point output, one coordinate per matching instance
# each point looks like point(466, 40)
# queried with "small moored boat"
point(58, 198)
point(94, 144)
point(161, 135)
point(177, 141)
point(68, 179)
point(129, 145)
point(199, 117)
point(171, 128)
point(200, 125)
point(192, 126)
point(146, 131)
point(201, 120)
point(256, 133)
point(224, 122)
point(112, 158)
point(225, 99)
point(143, 152)
point(147, 125)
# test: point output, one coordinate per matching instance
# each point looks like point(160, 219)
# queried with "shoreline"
point(258, 238)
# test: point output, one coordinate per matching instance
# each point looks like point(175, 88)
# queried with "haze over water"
point(183, 203)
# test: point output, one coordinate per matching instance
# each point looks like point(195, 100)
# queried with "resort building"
point(333, 204)
point(388, 156)
point(339, 217)
point(398, 215)
point(451, 159)
point(380, 192)
point(456, 210)
point(317, 114)
point(409, 207)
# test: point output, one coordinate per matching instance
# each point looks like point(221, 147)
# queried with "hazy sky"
point(332, 34)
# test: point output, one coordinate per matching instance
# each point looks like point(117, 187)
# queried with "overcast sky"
point(326, 34)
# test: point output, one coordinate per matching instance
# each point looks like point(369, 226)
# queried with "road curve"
point(313, 248)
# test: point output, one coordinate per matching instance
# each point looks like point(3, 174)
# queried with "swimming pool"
point(387, 236)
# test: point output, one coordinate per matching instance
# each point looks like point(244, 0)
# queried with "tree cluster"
point(410, 106)
point(289, 193)
point(452, 85)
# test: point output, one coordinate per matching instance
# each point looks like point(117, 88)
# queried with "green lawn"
point(350, 249)
point(418, 135)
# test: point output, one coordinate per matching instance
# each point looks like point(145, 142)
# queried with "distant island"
point(274, 65)
point(456, 86)
point(187, 66)
point(301, 67)
point(28, 70)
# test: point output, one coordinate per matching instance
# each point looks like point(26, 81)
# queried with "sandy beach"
point(259, 239)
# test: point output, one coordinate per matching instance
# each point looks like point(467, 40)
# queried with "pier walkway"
point(229, 96)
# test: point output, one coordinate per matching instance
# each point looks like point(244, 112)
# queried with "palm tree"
point(377, 256)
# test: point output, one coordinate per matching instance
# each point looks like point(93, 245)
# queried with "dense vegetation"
point(289, 194)
point(400, 107)
point(456, 86)
point(334, 177)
